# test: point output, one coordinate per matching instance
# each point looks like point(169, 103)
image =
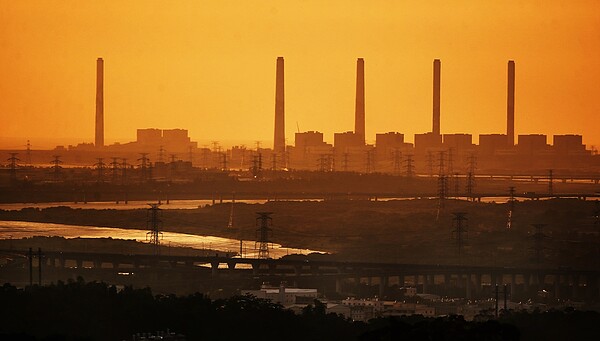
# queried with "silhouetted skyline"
point(216, 78)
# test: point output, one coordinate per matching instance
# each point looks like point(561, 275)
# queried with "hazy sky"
point(209, 67)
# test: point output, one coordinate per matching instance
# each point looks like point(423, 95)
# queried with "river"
point(111, 205)
point(23, 229)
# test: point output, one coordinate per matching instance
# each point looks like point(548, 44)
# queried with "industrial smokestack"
point(99, 142)
point(359, 112)
point(279, 140)
point(510, 104)
point(437, 66)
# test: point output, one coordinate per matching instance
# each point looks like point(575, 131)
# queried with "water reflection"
point(22, 229)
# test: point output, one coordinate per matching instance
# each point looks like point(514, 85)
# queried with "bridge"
point(338, 276)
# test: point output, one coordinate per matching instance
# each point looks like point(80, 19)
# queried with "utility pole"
point(230, 224)
point(597, 214)
point(505, 293)
point(264, 221)
point(30, 257)
point(40, 257)
point(154, 224)
point(550, 181)
point(511, 206)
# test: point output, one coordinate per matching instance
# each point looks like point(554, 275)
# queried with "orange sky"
point(209, 67)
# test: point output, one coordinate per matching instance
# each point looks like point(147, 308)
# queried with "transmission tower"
point(28, 154)
point(345, 162)
point(324, 163)
point(264, 221)
point(161, 153)
point(256, 165)
point(115, 169)
point(397, 161)
point(450, 161)
point(538, 242)
point(230, 223)
point(13, 166)
point(369, 164)
point(100, 168)
point(430, 163)
point(472, 159)
point(56, 166)
point(224, 161)
point(154, 224)
point(459, 231)
point(597, 214)
point(124, 166)
point(511, 206)
point(274, 162)
point(456, 185)
point(442, 182)
point(550, 181)
point(144, 165)
point(409, 166)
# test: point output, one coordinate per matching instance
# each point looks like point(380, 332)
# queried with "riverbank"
point(403, 231)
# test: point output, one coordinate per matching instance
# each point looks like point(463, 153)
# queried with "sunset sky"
point(209, 67)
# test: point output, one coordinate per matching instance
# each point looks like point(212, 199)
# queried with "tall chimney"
point(437, 66)
point(279, 140)
point(510, 104)
point(359, 112)
point(99, 103)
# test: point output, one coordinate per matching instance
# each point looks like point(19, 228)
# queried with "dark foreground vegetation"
point(95, 311)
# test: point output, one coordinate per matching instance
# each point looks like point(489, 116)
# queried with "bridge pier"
point(426, 283)
point(526, 283)
point(557, 286)
point(214, 269)
point(338, 285)
point(576, 290)
point(513, 284)
point(383, 283)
